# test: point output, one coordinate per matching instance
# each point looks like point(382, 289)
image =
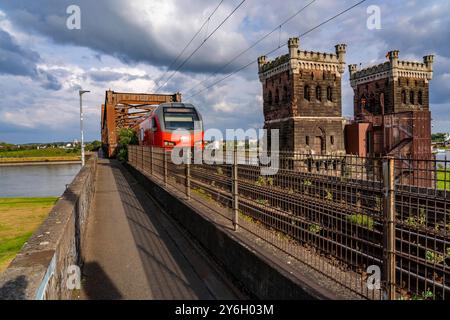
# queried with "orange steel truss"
point(126, 110)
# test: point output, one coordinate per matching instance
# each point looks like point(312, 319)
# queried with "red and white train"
point(162, 128)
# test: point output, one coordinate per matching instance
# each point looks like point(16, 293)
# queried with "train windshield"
point(180, 118)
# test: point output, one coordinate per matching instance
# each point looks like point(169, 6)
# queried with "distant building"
point(302, 98)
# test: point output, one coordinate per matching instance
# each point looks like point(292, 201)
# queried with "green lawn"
point(19, 218)
point(49, 152)
point(443, 179)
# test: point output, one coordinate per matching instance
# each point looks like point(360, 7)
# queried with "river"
point(36, 180)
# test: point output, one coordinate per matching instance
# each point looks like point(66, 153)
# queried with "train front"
point(181, 125)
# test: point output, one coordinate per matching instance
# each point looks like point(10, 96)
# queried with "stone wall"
point(40, 270)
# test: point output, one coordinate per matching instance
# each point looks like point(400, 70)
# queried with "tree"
point(438, 137)
point(126, 137)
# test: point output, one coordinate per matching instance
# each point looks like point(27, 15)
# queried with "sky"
point(128, 46)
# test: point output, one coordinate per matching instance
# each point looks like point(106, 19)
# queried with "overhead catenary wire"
point(201, 44)
point(278, 28)
point(276, 49)
point(189, 43)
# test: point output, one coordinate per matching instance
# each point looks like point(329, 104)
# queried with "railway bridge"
point(152, 229)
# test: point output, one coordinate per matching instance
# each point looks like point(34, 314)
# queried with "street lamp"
point(81, 92)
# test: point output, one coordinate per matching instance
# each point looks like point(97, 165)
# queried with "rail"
point(376, 229)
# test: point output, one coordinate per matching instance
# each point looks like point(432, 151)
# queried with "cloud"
point(127, 45)
point(21, 61)
point(15, 59)
point(142, 31)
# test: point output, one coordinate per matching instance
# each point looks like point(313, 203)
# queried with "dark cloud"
point(15, 59)
point(109, 28)
point(20, 61)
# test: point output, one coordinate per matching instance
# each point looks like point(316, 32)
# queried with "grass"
point(19, 218)
point(362, 220)
point(50, 154)
point(443, 179)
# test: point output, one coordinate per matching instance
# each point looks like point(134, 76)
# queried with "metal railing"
point(352, 219)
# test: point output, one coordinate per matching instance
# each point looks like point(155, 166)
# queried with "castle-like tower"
point(391, 108)
point(302, 98)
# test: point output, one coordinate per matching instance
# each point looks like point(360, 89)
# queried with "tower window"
point(307, 140)
point(306, 93)
point(269, 98)
point(329, 94)
point(285, 94)
point(404, 97)
point(332, 140)
point(277, 96)
point(411, 97)
point(312, 75)
point(319, 93)
point(420, 98)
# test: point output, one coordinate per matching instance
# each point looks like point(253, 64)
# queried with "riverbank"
point(38, 161)
point(19, 218)
point(42, 156)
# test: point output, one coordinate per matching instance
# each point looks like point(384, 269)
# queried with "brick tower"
point(391, 102)
point(302, 98)
point(392, 116)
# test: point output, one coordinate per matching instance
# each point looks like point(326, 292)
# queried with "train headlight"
point(169, 143)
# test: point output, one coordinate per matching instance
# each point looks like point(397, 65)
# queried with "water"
point(36, 180)
point(441, 156)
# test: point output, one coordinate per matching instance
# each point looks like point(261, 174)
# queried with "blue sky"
point(127, 46)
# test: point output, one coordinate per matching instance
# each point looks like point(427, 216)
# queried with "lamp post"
point(81, 92)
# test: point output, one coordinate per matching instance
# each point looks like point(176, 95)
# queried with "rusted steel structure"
point(126, 110)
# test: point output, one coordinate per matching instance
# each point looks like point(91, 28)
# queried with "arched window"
point(306, 93)
point(419, 98)
point(329, 94)
point(404, 97)
point(312, 75)
point(269, 98)
point(411, 97)
point(285, 94)
point(319, 93)
point(277, 96)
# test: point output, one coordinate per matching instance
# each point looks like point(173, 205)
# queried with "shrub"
point(315, 228)
point(434, 257)
point(362, 220)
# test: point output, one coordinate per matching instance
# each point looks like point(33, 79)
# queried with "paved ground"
point(134, 251)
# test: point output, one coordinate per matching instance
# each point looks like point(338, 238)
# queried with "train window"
point(180, 118)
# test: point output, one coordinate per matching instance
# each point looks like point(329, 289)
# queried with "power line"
point(278, 28)
point(276, 49)
point(190, 41)
point(204, 41)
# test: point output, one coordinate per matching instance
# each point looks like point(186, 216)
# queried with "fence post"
point(235, 191)
point(165, 166)
point(151, 160)
point(389, 256)
point(142, 158)
point(188, 175)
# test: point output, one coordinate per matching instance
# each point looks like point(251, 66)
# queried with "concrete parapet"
point(41, 269)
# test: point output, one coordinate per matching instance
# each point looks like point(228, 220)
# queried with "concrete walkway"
point(134, 251)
